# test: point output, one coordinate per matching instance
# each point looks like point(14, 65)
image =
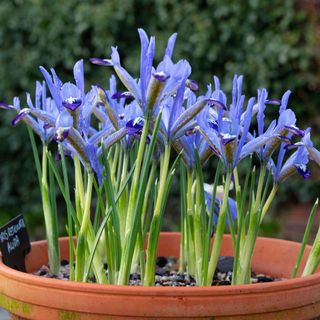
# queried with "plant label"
point(15, 243)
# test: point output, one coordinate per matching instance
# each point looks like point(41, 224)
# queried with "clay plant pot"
point(31, 297)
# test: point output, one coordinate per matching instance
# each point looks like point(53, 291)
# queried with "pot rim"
point(283, 285)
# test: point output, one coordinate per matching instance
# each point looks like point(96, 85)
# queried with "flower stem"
point(50, 217)
point(269, 201)
point(219, 230)
point(126, 257)
point(305, 239)
point(156, 221)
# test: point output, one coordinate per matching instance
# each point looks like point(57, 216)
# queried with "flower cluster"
point(121, 146)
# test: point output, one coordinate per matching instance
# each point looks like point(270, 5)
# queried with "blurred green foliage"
point(270, 42)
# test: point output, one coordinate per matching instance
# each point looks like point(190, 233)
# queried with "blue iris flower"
point(282, 129)
point(124, 117)
point(297, 162)
point(227, 129)
point(313, 153)
point(180, 126)
point(42, 124)
point(154, 84)
point(70, 124)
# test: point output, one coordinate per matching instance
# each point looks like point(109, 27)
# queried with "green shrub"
point(270, 42)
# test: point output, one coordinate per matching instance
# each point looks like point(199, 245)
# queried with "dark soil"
point(167, 274)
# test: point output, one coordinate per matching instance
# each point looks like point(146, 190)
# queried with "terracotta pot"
point(31, 297)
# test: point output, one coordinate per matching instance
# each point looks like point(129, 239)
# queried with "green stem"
point(314, 256)
point(69, 209)
point(79, 190)
point(198, 233)
point(85, 237)
point(50, 217)
point(183, 218)
point(219, 230)
point(155, 223)
point(123, 201)
point(260, 187)
point(205, 260)
point(126, 254)
point(190, 225)
point(305, 239)
point(269, 201)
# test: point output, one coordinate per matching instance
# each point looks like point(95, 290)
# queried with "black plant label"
point(15, 243)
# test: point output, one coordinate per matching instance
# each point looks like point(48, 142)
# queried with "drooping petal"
point(297, 162)
point(6, 106)
point(135, 126)
point(120, 95)
point(276, 102)
point(226, 138)
point(295, 130)
point(161, 76)
point(63, 125)
point(314, 155)
point(254, 145)
point(217, 103)
point(187, 115)
point(91, 154)
point(23, 113)
point(192, 85)
point(303, 171)
point(101, 62)
point(124, 76)
point(71, 96)
point(114, 138)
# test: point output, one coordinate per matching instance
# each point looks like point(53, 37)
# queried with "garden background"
point(273, 43)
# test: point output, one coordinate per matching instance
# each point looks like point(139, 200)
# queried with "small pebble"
point(167, 274)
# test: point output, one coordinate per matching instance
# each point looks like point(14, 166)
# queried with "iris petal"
point(20, 116)
point(101, 62)
point(6, 106)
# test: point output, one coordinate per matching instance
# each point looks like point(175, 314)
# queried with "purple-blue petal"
point(285, 139)
point(217, 103)
point(227, 138)
point(161, 76)
point(101, 62)
point(78, 73)
point(275, 102)
point(72, 103)
point(135, 126)
point(284, 101)
point(47, 126)
point(295, 130)
point(119, 95)
point(71, 96)
point(213, 124)
point(192, 85)
point(20, 116)
point(303, 171)
point(170, 45)
point(6, 106)
point(53, 87)
point(61, 134)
